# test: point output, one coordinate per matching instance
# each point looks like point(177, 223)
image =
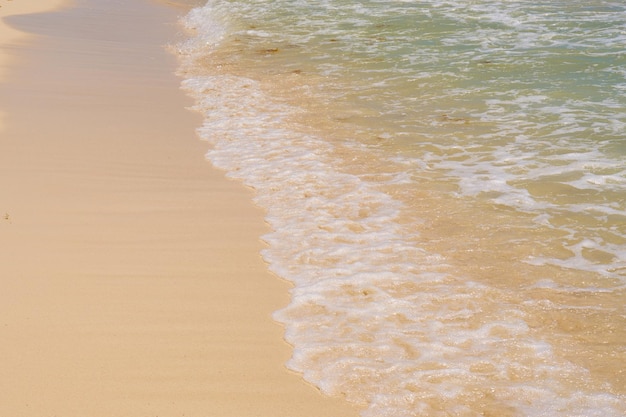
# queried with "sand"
point(130, 277)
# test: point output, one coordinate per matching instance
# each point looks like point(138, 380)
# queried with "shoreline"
point(132, 283)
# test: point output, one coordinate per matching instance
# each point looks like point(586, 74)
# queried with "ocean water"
point(445, 181)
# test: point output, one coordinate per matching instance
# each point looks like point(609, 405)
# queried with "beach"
point(130, 277)
point(244, 208)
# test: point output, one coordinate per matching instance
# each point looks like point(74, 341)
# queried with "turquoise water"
point(446, 185)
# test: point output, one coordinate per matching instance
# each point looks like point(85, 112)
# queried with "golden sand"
point(130, 278)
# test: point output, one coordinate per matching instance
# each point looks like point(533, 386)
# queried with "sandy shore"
point(130, 280)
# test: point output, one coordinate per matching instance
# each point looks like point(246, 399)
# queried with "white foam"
point(373, 316)
point(209, 27)
point(343, 279)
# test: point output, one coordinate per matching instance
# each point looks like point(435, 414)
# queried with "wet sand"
point(130, 277)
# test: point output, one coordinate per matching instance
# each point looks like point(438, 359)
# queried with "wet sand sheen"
point(131, 280)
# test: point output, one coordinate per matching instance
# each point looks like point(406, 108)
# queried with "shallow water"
point(446, 185)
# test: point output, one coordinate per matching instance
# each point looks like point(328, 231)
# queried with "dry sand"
point(130, 279)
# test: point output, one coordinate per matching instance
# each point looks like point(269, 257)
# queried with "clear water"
point(446, 185)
